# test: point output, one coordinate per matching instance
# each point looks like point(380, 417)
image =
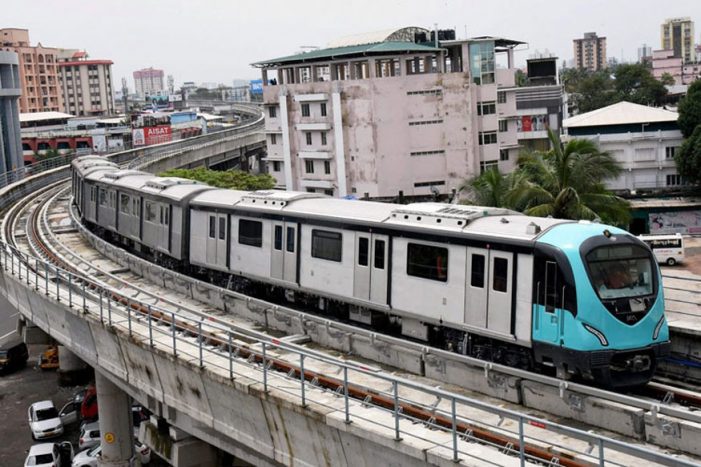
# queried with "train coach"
point(580, 297)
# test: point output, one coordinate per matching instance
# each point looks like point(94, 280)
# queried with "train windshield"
point(621, 271)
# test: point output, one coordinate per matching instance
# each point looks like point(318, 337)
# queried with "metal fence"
point(402, 407)
point(253, 112)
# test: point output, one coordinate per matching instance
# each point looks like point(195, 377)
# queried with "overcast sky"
point(216, 40)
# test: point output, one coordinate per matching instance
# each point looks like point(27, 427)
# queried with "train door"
point(211, 250)
point(370, 267)
point(221, 241)
point(476, 296)
point(283, 258)
point(500, 287)
point(548, 314)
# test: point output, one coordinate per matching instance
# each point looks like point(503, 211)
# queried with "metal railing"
point(18, 174)
point(308, 377)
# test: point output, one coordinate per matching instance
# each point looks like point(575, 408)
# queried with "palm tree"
point(567, 182)
point(492, 188)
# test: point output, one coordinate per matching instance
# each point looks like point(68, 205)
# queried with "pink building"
point(664, 61)
point(149, 82)
point(391, 112)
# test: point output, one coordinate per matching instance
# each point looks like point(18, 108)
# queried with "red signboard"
point(151, 135)
point(157, 134)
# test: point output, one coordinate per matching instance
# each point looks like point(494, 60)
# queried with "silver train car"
point(486, 282)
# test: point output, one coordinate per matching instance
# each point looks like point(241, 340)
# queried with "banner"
point(151, 135)
point(685, 222)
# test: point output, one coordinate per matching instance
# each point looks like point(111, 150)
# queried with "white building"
point(379, 114)
point(643, 139)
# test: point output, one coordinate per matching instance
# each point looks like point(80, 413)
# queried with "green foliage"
point(690, 109)
point(667, 79)
point(565, 182)
point(627, 82)
point(232, 179)
point(688, 159)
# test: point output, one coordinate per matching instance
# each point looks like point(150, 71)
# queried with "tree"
point(688, 159)
point(232, 179)
point(666, 79)
point(635, 83)
point(567, 182)
point(690, 109)
point(627, 82)
point(491, 188)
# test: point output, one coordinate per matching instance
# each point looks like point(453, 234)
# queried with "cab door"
point(548, 314)
point(283, 257)
point(500, 287)
point(370, 267)
point(222, 238)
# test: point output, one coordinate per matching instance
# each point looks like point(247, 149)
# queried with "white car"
point(90, 457)
point(49, 455)
point(46, 422)
point(89, 435)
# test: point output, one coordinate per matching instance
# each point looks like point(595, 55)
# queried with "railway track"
point(41, 236)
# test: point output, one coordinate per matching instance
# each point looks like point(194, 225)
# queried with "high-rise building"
point(590, 52)
point(388, 114)
point(86, 84)
point(10, 91)
point(644, 53)
point(38, 72)
point(149, 82)
point(677, 34)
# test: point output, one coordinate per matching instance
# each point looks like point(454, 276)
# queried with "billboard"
point(685, 222)
point(528, 123)
point(256, 87)
point(151, 135)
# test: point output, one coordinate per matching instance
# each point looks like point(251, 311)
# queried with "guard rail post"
point(454, 420)
point(150, 327)
point(302, 379)
point(521, 446)
point(172, 330)
point(199, 341)
point(395, 390)
point(265, 370)
point(345, 394)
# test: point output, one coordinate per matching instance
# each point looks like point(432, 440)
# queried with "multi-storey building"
point(644, 141)
point(677, 34)
point(149, 82)
point(38, 72)
point(10, 133)
point(590, 52)
point(86, 84)
point(390, 113)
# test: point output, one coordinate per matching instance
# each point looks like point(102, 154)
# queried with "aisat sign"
point(157, 131)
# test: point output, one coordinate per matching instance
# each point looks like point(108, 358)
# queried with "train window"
point(363, 245)
point(327, 245)
point(92, 194)
point(222, 228)
point(212, 226)
point(277, 244)
point(124, 203)
point(133, 206)
point(250, 232)
point(379, 254)
point(550, 286)
point(160, 212)
point(103, 197)
point(166, 214)
point(291, 239)
point(150, 212)
point(428, 262)
point(500, 278)
point(477, 278)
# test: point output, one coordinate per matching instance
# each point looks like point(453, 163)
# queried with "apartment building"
point(644, 140)
point(677, 34)
point(86, 84)
point(397, 112)
point(590, 52)
point(10, 133)
point(38, 71)
point(149, 82)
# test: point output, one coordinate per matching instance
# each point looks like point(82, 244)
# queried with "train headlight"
point(658, 328)
point(599, 335)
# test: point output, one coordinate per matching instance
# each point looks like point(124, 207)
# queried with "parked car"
point(90, 457)
point(46, 422)
point(88, 405)
point(49, 455)
point(89, 435)
point(13, 354)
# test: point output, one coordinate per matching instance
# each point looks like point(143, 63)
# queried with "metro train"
point(580, 297)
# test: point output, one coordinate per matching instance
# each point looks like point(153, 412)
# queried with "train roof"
point(174, 188)
point(444, 218)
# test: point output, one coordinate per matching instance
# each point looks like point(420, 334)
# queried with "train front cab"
point(588, 322)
